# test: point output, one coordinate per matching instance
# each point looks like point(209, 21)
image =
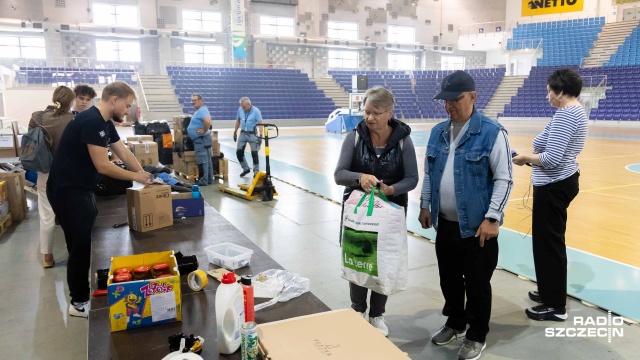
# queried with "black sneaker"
point(244, 172)
point(545, 312)
point(535, 296)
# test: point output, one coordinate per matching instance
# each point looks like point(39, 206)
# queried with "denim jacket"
point(472, 171)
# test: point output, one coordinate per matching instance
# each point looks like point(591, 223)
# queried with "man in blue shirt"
point(201, 136)
point(248, 117)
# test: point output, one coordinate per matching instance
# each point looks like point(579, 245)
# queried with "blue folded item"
point(167, 178)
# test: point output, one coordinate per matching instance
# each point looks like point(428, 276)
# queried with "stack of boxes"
point(10, 138)
point(184, 158)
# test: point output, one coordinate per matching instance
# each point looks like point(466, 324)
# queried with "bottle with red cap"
point(247, 290)
point(229, 314)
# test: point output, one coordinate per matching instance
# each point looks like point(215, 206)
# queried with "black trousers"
point(465, 268)
point(549, 224)
point(377, 302)
point(76, 210)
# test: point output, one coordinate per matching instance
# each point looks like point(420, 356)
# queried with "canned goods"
point(161, 269)
point(249, 342)
point(142, 272)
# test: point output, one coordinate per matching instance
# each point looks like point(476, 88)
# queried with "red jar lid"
point(161, 266)
point(122, 277)
point(124, 270)
point(164, 276)
point(142, 269)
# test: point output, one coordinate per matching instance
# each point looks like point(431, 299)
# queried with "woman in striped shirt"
point(555, 184)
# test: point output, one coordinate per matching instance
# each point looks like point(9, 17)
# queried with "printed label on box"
point(163, 306)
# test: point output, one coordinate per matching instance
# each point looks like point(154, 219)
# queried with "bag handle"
point(371, 204)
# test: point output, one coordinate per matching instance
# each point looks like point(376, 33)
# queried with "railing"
point(523, 44)
point(226, 65)
point(144, 96)
point(594, 89)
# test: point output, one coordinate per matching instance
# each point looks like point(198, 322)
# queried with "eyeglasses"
point(454, 101)
point(374, 113)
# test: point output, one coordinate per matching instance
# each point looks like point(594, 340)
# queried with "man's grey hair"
point(198, 96)
point(244, 100)
point(379, 97)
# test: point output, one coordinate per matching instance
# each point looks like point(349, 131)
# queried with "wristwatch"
point(492, 220)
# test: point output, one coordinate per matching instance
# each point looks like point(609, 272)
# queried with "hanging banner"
point(546, 7)
point(238, 37)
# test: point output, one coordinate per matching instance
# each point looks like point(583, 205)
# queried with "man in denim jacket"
point(466, 186)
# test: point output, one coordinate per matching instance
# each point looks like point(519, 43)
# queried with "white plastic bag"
point(280, 285)
point(374, 243)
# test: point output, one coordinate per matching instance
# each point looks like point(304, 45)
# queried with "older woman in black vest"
point(379, 151)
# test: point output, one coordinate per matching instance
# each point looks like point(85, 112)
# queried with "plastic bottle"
point(229, 314)
point(195, 191)
point(247, 291)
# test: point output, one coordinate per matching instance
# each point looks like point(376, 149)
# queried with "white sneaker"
point(80, 310)
point(379, 323)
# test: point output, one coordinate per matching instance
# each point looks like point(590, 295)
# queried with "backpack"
point(36, 153)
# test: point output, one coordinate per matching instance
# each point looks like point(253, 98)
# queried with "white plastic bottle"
point(229, 314)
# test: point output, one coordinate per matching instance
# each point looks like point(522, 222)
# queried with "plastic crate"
point(229, 256)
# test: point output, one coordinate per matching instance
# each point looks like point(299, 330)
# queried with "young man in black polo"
point(77, 166)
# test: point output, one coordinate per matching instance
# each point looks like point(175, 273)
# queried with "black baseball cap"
point(455, 84)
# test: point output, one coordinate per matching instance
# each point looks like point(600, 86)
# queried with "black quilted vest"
point(388, 167)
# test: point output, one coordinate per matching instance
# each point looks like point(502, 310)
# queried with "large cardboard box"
point(189, 155)
point(185, 205)
point(215, 149)
point(338, 335)
point(141, 303)
point(214, 136)
point(16, 194)
point(149, 208)
point(8, 146)
point(4, 198)
point(145, 152)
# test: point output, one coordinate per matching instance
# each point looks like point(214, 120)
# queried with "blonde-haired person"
point(54, 119)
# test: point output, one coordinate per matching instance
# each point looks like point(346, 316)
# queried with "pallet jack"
point(261, 187)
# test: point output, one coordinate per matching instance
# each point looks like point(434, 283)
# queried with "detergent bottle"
point(229, 314)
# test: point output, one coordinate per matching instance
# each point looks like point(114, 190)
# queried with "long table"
point(189, 236)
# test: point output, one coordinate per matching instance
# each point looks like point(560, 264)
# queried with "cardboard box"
point(185, 205)
point(8, 146)
point(16, 194)
point(145, 152)
point(141, 303)
point(223, 166)
point(139, 138)
point(177, 135)
point(149, 208)
point(18, 144)
point(339, 335)
point(215, 149)
point(189, 155)
point(214, 136)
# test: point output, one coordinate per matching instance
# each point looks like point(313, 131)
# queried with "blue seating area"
point(564, 42)
point(71, 76)
point(619, 104)
point(414, 102)
point(629, 52)
point(278, 93)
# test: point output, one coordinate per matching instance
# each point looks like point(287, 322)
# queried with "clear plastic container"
point(229, 256)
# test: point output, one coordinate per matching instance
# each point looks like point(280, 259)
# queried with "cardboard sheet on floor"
point(338, 335)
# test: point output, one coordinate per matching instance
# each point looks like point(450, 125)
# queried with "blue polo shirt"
point(197, 122)
point(248, 120)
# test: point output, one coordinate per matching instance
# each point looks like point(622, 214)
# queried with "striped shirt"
point(559, 145)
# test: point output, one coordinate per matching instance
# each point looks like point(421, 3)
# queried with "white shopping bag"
point(374, 243)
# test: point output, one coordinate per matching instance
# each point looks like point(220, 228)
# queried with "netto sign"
point(545, 7)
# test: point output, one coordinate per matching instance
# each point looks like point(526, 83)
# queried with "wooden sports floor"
point(604, 218)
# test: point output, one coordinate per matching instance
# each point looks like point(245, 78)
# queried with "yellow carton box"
point(135, 304)
point(145, 152)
